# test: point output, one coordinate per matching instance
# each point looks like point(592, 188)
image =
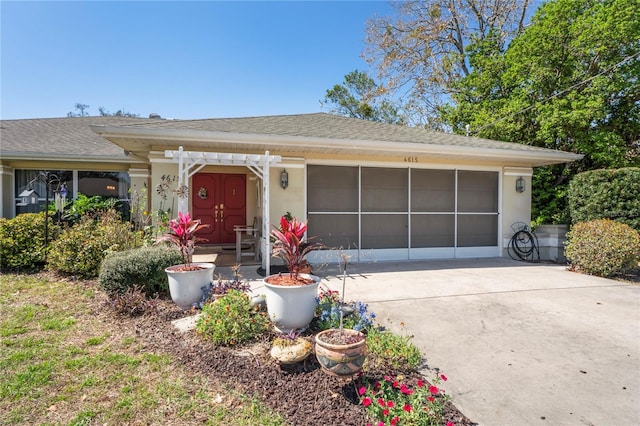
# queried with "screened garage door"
point(404, 213)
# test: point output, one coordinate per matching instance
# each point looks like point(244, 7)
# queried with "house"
point(377, 191)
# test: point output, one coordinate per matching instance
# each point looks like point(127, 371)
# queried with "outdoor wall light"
point(520, 186)
point(284, 179)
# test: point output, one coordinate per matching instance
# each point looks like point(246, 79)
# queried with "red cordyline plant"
point(289, 244)
point(182, 235)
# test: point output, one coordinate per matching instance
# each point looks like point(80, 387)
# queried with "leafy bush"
point(80, 249)
point(83, 205)
point(220, 287)
point(231, 320)
point(602, 247)
point(140, 267)
point(22, 241)
point(391, 351)
point(606, 194)
point(133, 303)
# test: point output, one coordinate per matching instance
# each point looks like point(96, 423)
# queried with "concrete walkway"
point(521, 344)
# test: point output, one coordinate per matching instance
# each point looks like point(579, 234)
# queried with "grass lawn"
point(65, 360)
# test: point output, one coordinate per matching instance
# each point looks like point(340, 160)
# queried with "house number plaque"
point(411, 159)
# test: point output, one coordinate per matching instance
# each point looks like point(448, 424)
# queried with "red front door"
point(219, 200)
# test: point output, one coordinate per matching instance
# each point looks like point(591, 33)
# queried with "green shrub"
point(140, 267)
point(83, 205)
point(602, 247)
point(22, 241)
point(80, 249)
point(391, 351)
point(231, 320)
point(606, 194)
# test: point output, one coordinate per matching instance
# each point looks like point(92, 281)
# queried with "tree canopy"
point(360, 97)
point(422, 52)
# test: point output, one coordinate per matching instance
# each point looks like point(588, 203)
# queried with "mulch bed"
point(301, 393)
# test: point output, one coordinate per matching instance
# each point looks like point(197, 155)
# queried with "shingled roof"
point(323, 133)
point(327, 126)
point(107, 138)
point(62, 138)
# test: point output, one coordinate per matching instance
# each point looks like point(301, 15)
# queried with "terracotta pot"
point(291, 307)
point(341, 360)
point(187, 287)
point(291, 352)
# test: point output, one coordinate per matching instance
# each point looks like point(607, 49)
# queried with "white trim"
point(68, 157)
point(473, 252)
point(517, 171)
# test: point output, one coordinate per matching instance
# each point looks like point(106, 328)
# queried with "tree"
point(422, 54)
point(360, 97)
point(569, 82)
point(119, 113)
point(81, 111)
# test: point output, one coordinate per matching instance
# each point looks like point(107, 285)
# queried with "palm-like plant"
point(290, 246)
point(182, 235)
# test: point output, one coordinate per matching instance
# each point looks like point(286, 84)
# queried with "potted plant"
point(187, 280)
point(290, 348)
point(291, 297)
point(341, 352)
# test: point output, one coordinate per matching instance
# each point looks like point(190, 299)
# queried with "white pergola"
point(191, 162)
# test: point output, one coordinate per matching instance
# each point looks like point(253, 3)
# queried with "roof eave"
point(21, 156)
point(538, 157)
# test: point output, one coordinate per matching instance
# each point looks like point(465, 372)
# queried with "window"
point(105, 184)
point(34, 179)
point(89, 183)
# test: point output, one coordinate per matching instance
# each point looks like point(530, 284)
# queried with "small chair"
point(250, 238)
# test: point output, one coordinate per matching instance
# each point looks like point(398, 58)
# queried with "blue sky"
point(178, 59)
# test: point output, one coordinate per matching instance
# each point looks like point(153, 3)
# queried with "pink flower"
point(385, 412)
point(431, 399)
point(433, 390)
point(390, 404)
point(407, 408)
point(443, 377)
point(366, 402)
point(388, 378)
point(381, 402)
point(405, 390)
point(394, 421)
point(420, 383)
point(380, 423)
point(395, 384)
point(362, 390)
point(451, 424)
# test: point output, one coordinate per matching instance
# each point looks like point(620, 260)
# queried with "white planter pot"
point(187, 287)
point(291, 307)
